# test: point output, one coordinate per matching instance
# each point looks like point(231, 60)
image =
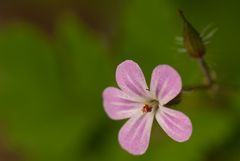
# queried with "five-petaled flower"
point(134, 100)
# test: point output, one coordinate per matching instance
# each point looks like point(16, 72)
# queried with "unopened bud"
point(191, 39)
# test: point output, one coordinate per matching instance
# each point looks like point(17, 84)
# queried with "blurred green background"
point(56, 58)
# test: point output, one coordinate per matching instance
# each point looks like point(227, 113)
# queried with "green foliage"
point(51, 87)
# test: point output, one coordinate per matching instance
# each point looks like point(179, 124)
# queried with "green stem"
point(206, 71)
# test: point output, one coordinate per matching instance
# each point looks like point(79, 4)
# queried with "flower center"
point(148, 107)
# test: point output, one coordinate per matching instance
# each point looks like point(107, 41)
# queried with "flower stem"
point(207, 74)
point(204, 86)
point(206, 71)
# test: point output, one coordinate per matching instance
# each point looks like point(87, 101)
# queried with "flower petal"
point(176, 124)
point(130, 79)
point(119, 105)
point(166, 83)
point(134, 136)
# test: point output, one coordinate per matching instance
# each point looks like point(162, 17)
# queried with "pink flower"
point(134, 100)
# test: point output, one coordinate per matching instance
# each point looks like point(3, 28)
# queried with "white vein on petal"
point(164, 125)
point(144, 120)
point(122, 104)
point(139, 126)
point(131, 112)
point(148, 124)
point(168, 97)
point(129, 78)
point(134, 98)
point(163, 88)
point(174, 123)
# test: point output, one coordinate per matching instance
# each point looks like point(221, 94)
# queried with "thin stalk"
point(206, 71)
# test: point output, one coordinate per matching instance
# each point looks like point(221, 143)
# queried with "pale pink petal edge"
point(175, 123)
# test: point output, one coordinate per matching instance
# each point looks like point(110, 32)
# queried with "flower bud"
point(191, 39)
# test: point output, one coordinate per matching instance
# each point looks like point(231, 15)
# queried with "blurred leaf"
point(51, 92)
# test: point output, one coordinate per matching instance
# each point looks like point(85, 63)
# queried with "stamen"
point(146, 109)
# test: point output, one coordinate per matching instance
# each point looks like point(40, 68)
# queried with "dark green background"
point(56, 58)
